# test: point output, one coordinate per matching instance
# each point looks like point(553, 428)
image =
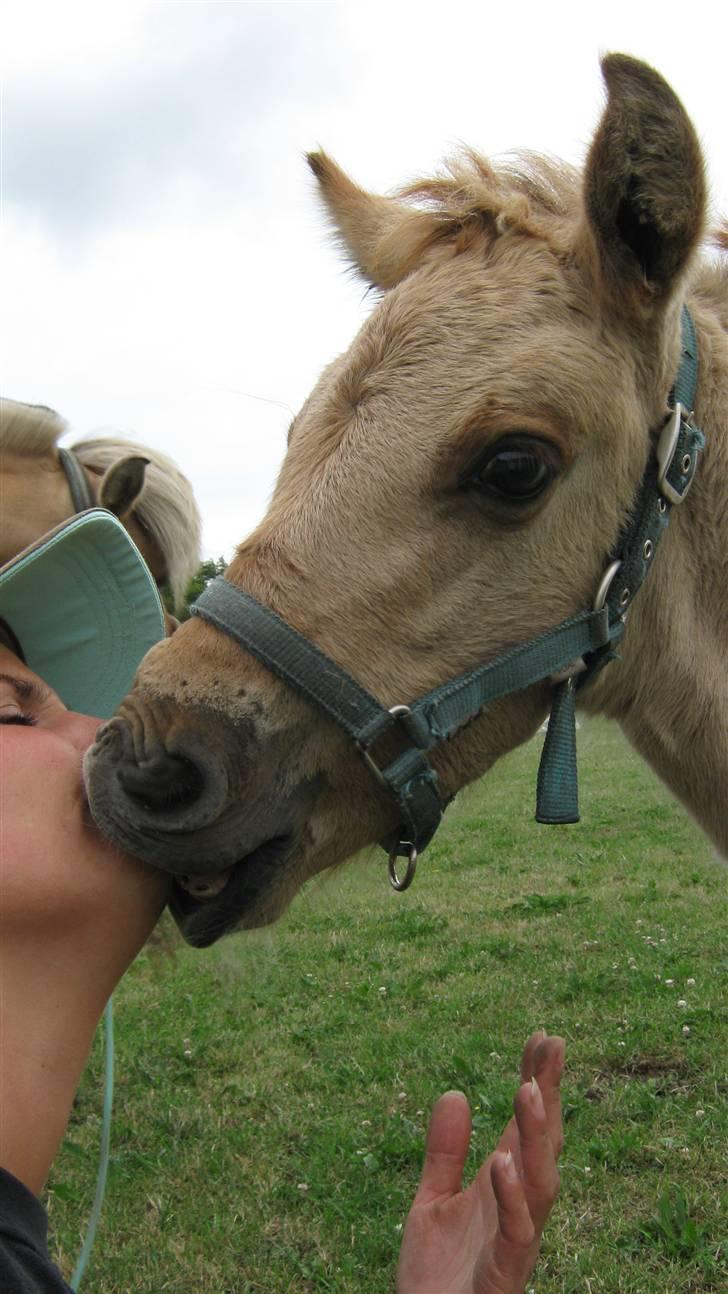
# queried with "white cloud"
point(164, 252)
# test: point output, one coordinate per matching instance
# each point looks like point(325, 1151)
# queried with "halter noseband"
point(569, 655)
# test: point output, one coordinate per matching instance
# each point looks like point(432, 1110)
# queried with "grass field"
point(272, 1093)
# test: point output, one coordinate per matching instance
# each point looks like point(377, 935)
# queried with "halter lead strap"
point(569, 655)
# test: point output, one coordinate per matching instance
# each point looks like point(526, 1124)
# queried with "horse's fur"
point(523, 301)
point(142, 486)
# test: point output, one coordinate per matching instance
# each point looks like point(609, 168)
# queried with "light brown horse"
point(141, 486)
point(455, 484)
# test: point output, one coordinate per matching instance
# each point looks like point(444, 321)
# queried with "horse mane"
point(167, 507)
point(29, 429)
point(532, 194)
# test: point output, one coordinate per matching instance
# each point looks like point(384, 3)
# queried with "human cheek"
point(78, 730)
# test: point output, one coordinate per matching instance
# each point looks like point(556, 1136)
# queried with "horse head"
point(43, 484)
point(452, 486)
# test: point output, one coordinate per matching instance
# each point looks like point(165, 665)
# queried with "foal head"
point(452, 486)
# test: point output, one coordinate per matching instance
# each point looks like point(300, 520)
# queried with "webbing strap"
point(292, 657)
point(430, 720)
point(81, 496)
point(666, 480)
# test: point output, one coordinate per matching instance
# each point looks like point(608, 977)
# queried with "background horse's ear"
point(384, 238)
point(644, 186)
point(122, 484)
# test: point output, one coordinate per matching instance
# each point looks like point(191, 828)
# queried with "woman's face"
point(55, 865)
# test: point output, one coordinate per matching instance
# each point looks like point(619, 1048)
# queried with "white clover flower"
point(302, 1186)
point(699, 1114)
point(681, 1002)
point(669, 982)
point(690, 983)
point(686, 1030)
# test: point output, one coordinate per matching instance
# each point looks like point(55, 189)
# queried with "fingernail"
point(509, 1167)
point(536, 1099)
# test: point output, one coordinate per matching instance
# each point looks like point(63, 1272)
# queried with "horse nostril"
point(164, 782)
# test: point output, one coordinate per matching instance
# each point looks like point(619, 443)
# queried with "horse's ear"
point(122, 484)
point(384, 239)
point(644, 187)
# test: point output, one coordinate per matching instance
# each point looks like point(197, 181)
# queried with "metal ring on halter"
point(401, 883)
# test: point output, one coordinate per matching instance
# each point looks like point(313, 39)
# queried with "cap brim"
point(84, 609)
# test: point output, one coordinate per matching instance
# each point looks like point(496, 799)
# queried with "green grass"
point(272, 1093)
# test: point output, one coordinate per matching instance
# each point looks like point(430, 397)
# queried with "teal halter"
point(569, 655)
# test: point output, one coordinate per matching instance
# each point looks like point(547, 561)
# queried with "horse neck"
point(669, 691)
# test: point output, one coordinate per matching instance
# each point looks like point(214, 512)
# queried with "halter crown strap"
point(574, 650)
point(667, 478)
point(81, 495)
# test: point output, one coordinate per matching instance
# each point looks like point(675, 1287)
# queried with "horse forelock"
point(527, 192)
point(166, 508)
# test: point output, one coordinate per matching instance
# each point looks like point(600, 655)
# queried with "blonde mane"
point(29, 429)
point(166, 506)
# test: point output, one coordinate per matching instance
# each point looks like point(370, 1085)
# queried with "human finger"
point(548, 1068)
point(512, 1251)
point(536, 1152)
point(446, 1148)
point(528, 1058)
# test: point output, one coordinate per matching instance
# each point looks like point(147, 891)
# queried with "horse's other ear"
point(122, 484)
point(384, 238)
point(644, 186)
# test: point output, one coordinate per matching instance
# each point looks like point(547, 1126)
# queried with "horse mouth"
point(208, 905)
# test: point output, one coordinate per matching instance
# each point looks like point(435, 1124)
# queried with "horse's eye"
point(515, 470)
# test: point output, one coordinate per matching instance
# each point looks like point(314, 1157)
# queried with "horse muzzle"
point(197, 809)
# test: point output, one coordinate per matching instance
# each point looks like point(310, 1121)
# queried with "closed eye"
point(27, 720)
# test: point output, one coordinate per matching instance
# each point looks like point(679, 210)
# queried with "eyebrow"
point(27, 689)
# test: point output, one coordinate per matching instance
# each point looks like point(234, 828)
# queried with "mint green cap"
point(83, 608)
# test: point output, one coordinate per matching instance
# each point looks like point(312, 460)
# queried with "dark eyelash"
point(27, 720)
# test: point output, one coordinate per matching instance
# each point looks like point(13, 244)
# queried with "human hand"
point(485, 1240)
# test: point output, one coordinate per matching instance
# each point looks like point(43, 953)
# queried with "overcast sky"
point(166, 269)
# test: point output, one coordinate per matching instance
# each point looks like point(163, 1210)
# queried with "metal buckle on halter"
point(605, 585)
point(665, 453)
point(578, 666)
point(397, 712)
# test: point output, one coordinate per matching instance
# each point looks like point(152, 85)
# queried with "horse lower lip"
point(204, 917)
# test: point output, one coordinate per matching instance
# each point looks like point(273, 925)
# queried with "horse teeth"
point(201, 886)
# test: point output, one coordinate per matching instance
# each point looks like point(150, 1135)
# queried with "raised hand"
point(485, 1239)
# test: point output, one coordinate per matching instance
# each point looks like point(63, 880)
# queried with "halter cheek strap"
point(81, 496)
point(569, 655)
